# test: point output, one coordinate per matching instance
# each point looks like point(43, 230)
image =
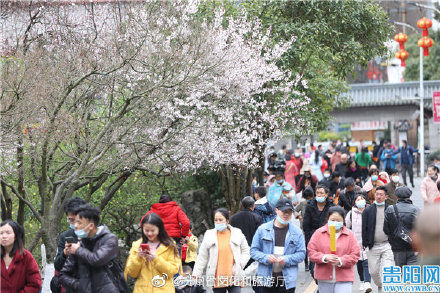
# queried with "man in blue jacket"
point(278, 246)
point(406, 160)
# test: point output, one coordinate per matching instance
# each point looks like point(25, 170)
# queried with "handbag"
point(401, 232)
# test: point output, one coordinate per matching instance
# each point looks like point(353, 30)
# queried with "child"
point(186, 284)
point(189, 249)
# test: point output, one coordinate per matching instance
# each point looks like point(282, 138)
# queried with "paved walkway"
point(306, 284)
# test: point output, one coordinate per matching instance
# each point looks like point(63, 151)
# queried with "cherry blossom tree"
point(94, 92)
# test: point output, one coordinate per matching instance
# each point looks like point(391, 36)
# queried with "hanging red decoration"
point(402, 54)
point(425, 42)
point(401, 38)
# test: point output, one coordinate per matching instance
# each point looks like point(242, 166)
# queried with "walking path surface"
point(305, 283)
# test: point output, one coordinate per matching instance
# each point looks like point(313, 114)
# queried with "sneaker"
point(362, 287)
point(367, 287)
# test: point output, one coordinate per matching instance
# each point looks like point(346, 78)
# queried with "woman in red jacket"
point(334, 271)
point(19, 270)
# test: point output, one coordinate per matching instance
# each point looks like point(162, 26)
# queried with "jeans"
point(231, 289)
point(402, 258)
point(364, 273)
point(409, 168)
point(379, 256)
point(338, 287)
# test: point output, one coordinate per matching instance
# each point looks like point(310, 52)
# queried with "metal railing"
point(363, 95)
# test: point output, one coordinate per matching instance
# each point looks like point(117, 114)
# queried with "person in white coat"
point(353, 221)
point(223, 255)
point(315, 162)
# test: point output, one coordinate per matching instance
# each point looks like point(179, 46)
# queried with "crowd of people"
point(352, 209)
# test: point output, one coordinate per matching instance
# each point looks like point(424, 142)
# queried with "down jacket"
point(155, 276)
point(208, 253)
point(22, 275)
point(86, 271)
point(175, 220)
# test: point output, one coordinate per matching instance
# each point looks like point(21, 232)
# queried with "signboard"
point(368, 125)
point(436, 106)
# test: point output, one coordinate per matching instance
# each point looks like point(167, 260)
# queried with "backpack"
point(116, 273)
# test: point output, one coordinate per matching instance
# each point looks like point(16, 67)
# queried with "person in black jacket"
point(407, 213)
point(315, 215)
point(342, 167)
point(91, 262)
point(69, 208)
point(347, 196)
point(354, 171)
point(247, 221)
point(373, 236)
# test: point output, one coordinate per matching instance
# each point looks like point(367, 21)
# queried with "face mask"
point(81, 233)
point(308, 175)
point(353, 168)
point(434, 177)
point(72, 226)
point(360, 204)
point(281, 221)
point(320, 198)
point(221, 227)
point(395, 179)
point(374, 178)
point(338, 225)
point(326, 175)
point(296, 155)
point(379, 203)
point(280, 182)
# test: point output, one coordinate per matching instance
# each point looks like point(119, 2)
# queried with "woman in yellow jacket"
point(154, 259)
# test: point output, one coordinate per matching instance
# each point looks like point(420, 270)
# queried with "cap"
point(403, 192)
point(284, 204)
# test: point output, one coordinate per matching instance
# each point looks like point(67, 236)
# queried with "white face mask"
point(395, 179)
point(326, 175)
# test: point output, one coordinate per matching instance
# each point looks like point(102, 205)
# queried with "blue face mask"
point(379, 203)
point(280, 182)
point(221, 227)
point(81, 233)
point(360, 204)
point(320, 198)
point(338, 225)
point(72, 226)
point(374, 177)
point(281, 221)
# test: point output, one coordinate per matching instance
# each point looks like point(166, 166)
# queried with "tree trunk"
point(6, 203)
point(236, 184)
point(20, 185)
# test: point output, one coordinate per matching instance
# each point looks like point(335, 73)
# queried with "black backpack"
point(116, 273)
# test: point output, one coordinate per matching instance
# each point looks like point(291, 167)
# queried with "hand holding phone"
point(145, 247)
point(70, 239)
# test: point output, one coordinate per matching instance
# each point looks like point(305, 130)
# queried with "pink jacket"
point(347, 249)
point(429, 190)
point(290, 172)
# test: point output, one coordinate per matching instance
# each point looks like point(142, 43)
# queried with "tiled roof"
point(363, 95)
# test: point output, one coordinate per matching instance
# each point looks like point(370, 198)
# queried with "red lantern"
point(402, 55)
point(401, 39)
point(424, 23)
point(425, 42)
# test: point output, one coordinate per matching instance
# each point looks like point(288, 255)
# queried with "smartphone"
point(70, 239)
point(145, 247)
